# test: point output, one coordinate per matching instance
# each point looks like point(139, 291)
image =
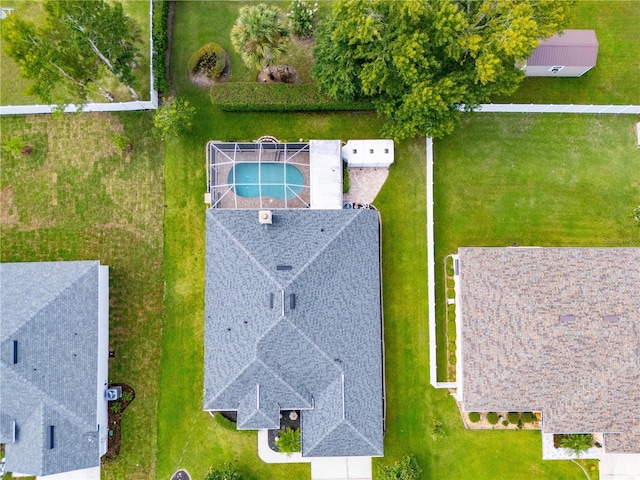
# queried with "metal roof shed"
point(571, 53)
point(368, 153)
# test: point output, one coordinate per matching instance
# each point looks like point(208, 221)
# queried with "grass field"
point(12, 92)
point(614, 80)
point(548, 180)
point(77, 197)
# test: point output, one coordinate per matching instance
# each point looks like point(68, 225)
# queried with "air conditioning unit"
point(113, 393)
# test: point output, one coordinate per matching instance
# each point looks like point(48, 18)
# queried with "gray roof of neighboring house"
point(577, 48)
point(51, 311)
point(582, 371)
point(325, 353)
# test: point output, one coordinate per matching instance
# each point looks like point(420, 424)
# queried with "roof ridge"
point(56, 296)
point(323, 248)
point(246, 251)
point(366, 439)
point(317, 347)
point(49, 401)
point(252, 362)
point(282, 380)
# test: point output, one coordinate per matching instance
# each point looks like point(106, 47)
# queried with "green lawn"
point(77, 197)
point(189, 438)
point(614, 80)
point(12, 92)
point(549, 180)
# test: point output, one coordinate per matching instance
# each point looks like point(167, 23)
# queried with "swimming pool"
point(267, 179)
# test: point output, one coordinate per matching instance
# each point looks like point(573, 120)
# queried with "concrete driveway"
point(620, 467)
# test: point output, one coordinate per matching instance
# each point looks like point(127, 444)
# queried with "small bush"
point(438, 429)
point(278, 97)
point(225, 423)
point(520, 424)
point(505, 423)
point(513, 417)
point(13, 145)
point(452, 360)
point(492, 418)
point(346, 184)
point(210, 60)
point(636, 215)
point(289, 440)
point(449, 262)
point(528, 417)
point(451, 309)
point(451, 331)
point(452, 316)
point(474, 417)
point(303, 18)
point(451, 283)
point(451, 293)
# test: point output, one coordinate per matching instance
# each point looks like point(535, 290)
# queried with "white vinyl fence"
point(97, 107)
point(551, 108)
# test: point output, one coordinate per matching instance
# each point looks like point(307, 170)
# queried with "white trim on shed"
point(368, 153)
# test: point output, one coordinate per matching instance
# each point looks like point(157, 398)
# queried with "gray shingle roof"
point(325, 349)
point(578, 48)
point(519, 356)
point(51, 311)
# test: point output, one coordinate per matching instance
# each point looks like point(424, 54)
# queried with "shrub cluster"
point(210, 59)
point(492, 418)
point(278, 97)
point(513, 417)
point(528, 417)
point(160, 38)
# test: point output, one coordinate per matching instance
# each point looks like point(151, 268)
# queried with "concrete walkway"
point(322, 468)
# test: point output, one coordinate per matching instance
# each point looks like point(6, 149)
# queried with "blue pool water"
point(246, 179)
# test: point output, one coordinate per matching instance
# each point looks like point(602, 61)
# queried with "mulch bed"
point(285, 422)
point(202, 80)
point(114, 439)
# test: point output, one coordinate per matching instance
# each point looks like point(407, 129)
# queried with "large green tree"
point(420, 61)
point(75, 51)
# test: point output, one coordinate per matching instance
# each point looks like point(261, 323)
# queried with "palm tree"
point(578, 442)
point(260, 35)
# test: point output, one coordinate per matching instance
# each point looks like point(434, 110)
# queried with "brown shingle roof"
point(576, 48)
point(518, 355)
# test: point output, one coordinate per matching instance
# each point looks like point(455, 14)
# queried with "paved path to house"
point(620, 467)
point(365, 183)
point(322, 468)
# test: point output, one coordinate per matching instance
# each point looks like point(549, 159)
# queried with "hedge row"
point(278, 97)
point(160, 38)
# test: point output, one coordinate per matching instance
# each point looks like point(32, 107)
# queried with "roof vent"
point(610, 318)
point(283, 267)
point(265, 217)
point(15, 352)
point(292, 301)
point(15, 431)
point(271, 300)
point(51, 439)
point(567, 318)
